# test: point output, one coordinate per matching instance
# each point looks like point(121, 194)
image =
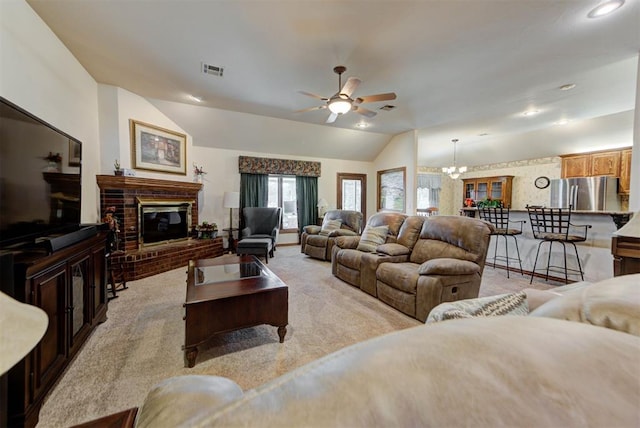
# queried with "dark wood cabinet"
point(626, 255)
point(496, 188)
point(70, 286)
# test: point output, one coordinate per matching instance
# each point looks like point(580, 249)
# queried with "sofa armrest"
point(393, 249)
point(347, 242)
point(342, 232)
point(174, 401)
point(312, 229)
point(447, 266)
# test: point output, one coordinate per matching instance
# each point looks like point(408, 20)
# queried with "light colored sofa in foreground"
point(515, 371)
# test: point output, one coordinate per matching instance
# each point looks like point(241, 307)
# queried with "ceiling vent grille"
point(387, 107)
point(212, 69)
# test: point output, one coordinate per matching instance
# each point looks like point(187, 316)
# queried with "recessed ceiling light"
point(530, 112)
point(195, 98)
point(562, 122)
point(362, 125)
point(567, 87)
point(605, 8)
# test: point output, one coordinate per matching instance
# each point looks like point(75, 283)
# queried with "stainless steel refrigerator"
point(586, 194)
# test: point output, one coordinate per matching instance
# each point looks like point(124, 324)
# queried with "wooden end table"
point(229, 293)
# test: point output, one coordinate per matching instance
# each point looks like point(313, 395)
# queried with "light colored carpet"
point(140, 343)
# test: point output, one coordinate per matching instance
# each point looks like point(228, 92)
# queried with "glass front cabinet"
point(481, 188)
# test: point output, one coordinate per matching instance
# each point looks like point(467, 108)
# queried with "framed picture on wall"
point(158, 149)
point(391, 189)
point(75, 153)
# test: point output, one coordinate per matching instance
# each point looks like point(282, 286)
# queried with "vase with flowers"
point(53, 162)
point(198, 173)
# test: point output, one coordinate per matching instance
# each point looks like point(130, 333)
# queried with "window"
point(428, 193)
point(282, 193)
point(352, 191)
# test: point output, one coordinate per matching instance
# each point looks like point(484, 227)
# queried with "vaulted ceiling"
point(460, 69)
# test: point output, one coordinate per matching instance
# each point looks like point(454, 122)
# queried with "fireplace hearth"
point(170, 208)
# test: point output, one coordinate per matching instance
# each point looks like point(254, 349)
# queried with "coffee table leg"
point(190, 355)
point(282, 330)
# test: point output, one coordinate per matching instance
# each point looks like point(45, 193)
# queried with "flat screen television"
point(40, 185)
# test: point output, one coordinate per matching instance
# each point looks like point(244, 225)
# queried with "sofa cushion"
point(372, 237)
point(446, 266)
point(613, 303)
point(329, 226)
point(501, 304)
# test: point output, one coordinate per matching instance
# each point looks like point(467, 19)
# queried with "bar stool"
point(499, 217)
point(554, 225)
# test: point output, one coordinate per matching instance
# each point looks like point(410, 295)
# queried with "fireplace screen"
point(163, 223)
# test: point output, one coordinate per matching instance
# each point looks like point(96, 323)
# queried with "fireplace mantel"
point(123, 182)
point(123, 193)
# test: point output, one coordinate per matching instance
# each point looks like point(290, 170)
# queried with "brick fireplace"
point(140, 261)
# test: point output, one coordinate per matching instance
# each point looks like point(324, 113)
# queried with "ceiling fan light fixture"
point(339, 106)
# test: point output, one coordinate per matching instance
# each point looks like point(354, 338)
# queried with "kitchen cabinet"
point(625, 172)
point(70, 286)
point(576, 166)
point(613, 163)
point(605, 163)
point(496, 188)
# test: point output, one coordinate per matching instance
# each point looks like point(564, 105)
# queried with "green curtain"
point(254, 192)
point(307, 197)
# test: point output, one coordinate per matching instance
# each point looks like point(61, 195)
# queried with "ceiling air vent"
point(387, 107)
point(212, 69)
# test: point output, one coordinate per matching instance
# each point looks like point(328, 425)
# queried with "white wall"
point(39, 74)
point(634, 194)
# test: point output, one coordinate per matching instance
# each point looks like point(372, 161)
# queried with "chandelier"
point(453, 171)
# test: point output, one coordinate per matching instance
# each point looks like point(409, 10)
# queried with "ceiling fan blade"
point(304, 110)
point(373, 98)
point(332, 118)
point(350, 87)
point(309, 94)
point(363, 111)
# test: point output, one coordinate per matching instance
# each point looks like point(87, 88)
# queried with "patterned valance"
point(252, 165)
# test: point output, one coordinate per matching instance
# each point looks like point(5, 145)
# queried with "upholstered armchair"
point(445, 265)
point(261, 222)
point(317, 241)
point(356, 263)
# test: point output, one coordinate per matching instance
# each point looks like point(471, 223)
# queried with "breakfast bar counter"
point(595, 252)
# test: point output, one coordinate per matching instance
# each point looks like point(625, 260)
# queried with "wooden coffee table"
point(229, 293)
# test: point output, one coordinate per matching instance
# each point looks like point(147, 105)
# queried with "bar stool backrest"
point(499, 217)
point(549, 223)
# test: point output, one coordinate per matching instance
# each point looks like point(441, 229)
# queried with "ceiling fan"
point(342, 102)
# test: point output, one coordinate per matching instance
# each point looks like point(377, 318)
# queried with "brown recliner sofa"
point(442, 262)
point(318, 243)
point(358, 268)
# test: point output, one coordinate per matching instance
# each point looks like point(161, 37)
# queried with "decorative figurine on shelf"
point(207, 230)
point(54, 162)
point(112, 238)
point(116, 168)
point(198, 173)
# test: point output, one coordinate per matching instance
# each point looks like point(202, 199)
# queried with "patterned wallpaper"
point(524, 172)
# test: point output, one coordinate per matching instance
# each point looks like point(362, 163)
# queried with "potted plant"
point(207, 230)
point(489, 203)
